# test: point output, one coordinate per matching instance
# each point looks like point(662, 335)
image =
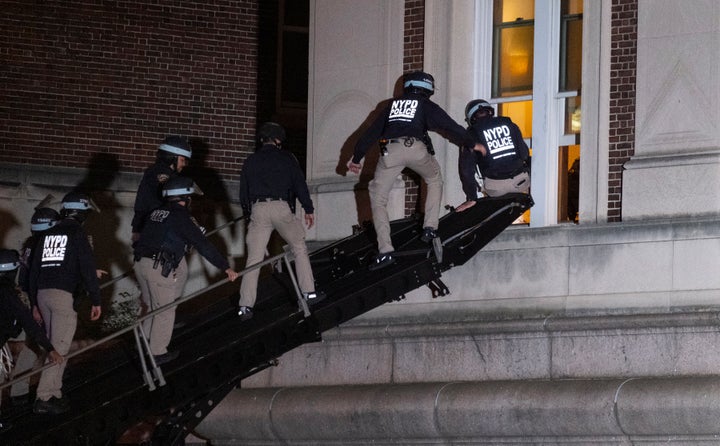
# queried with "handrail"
point(285, 255)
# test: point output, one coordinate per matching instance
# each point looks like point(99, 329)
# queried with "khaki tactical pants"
point(520, 183)
point(158, 291)
point(398, 157)
point(267, 216)
point(56, 308)
point(26, 359)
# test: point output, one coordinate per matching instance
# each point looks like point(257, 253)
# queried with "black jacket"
point(411, 115)
point(63, 259)
point(25, 262)
point(272, 172)
point(149, 193)
point(15, 316)
point(507, 152)
point(170, 228)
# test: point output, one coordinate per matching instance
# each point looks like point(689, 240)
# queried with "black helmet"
point(178, 188)
point(176, 145)
point(474, 106)
point(43, 219)
point(419, 82)
point(76, 205)
point(271, 131)
point(9, 260)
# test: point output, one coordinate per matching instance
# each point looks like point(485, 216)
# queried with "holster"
point(428, 143)
point(291, 200)
point(168, 265)
point(166, 260)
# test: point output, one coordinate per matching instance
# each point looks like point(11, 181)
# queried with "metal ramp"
point(110, 396)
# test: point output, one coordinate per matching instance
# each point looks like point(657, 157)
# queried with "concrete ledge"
point(461, 350)
point(450, 326)
point(637, 410)
point(670, 406)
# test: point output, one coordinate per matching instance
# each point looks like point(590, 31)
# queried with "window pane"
point(572, 7)
point(511, 10)
point(571, 47)
point(572, 115)
point(514, 61)
point(520, 113)
point(297, 13)
point(569, 183)
point(294, 88)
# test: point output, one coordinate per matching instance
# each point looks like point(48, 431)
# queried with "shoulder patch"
point(163, 177)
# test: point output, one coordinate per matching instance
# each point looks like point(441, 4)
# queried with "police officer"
point(42, 219)
point(171, 157)
point(160, 265)
point(501, 159)
point(402, 129)
point(63, 260)
point(15, 315)
point(270, 182)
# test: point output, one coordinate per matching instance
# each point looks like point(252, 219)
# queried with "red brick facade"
point(623, 72)
point(414, 42)
point(86, 77)
point(413, 52)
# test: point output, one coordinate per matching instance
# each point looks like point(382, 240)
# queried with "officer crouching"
point(168, 234)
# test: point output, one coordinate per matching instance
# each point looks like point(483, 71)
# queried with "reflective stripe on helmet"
point(9, 266)
point(79, 205)
point(175, 150)
point(180, 191)
point(420, 84)
point(480, 105)
point(42, 226)
point(472, 111)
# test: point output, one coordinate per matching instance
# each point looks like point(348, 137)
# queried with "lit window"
point(570, 45)
point(513, 47)
point(553, 91)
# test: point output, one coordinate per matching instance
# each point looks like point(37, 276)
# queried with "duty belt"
point(407, 141)
point(153, 256)
point(164, 259)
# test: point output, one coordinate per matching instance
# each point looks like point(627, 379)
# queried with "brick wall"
point(623, 71)
point(413, 51)
point(86, 78)
point(414, 43)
